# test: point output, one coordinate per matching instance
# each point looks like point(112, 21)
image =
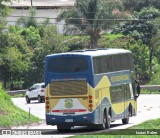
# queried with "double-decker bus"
point(90, 88)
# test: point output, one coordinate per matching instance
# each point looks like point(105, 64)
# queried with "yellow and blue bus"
point(90, 88)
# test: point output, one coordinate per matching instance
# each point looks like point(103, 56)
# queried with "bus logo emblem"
point(68, 103)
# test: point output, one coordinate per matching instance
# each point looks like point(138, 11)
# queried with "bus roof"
point(94, 52)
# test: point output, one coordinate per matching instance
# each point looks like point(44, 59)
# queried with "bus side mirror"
point(138, 91)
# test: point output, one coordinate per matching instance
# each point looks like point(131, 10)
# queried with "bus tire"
point(106, 120)
point(126, 120)
point(103, 125)
point(27, 99)
point(130, 110)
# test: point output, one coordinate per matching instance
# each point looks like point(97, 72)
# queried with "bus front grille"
point(65, 88)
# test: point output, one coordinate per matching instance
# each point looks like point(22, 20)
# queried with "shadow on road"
point(79, 130)
point(35, 102)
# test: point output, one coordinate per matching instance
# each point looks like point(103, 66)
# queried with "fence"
point(150, 87)
point(16, 92)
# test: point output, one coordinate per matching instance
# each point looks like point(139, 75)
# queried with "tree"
point(155, 45)
point(49, 42)
point(137, 5)
point(90, 17)
point(4, 10)
point(144, 28)
point(14, 57)
point(11, 65)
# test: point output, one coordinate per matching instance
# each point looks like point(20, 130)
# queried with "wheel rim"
point(109, 120)
point(104, 121)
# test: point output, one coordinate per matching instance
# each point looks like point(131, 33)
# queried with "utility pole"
point(31, 3)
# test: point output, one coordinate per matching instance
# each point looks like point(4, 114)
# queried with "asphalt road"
point(148, 108)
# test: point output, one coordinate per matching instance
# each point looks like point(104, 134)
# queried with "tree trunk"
point(93, 41)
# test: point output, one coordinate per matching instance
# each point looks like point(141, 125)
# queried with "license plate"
point(68, 120)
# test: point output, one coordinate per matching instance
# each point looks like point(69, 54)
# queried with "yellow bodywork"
point(98, 93)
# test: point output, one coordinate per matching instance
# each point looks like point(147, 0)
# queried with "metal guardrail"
point(17, 92)
point(143, 87)
point(150, 87)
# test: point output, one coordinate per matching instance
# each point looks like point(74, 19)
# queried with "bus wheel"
point(63, 128)
point(126, 120)
point(104, 122)
point(27, 99)
point(108, 122)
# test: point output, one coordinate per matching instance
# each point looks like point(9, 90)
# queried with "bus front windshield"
point(67, 64)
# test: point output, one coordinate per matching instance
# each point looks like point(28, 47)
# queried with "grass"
point(10, 115)
point(17, 95)
point(151, 126)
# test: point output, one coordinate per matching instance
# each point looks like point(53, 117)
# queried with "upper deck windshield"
point(67, 64)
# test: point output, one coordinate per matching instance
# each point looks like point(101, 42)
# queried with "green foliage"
point(137, 5)
point(155, 42)
point(11, 64)
point(141, 30)
point(23, 47)
point(155, 79)
point(147, 13)
point(146, 27)
point(10, 114)
point(151, 125)
point(31, 34)
point(47, 42)
point(14, 56)
point(4, 10)
point(88, 17)
point(111, 41)
point(141, 57)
